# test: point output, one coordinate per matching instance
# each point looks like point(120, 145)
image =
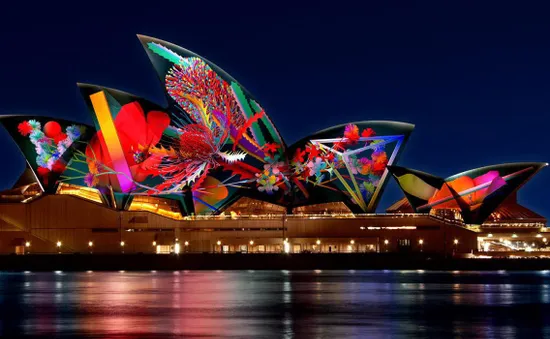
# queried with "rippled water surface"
point(292, 304)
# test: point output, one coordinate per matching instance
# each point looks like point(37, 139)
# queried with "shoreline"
point(210, 261)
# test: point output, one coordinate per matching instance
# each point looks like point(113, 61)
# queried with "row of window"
point(114, 230)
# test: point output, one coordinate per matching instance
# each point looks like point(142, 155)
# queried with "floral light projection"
point(354, 162)
point(216, 121)
point(222, 132)
point(213, 141)
point(51, 143)
point(138, 135)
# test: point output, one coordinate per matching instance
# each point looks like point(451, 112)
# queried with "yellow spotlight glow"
point(318, 242)
point(544, 239)
point(514, 235)
point(122, 243)
point(421, 241)
point(386, 242)
point(90, 243)
point(154, 243)
point(352, 241)
point(186, 243)
point(219, 243)
point(58, 244)
point(251, 242)
point(177, 248)
point(539, 235)
point(28, 244)
point(490, 235)
point(455, 241)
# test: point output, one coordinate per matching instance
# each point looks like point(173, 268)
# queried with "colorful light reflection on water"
point(332, 304)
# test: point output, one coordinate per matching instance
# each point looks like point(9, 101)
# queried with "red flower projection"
point(52, 129)
point(59, 166)
point(271, 148)
point(43, 171)
point(352, 133)
point(329, 157)
point(196, 142)
point(299, 155)
point(313, 151)
point(59, 137)
point(25, 128)
point(367, 133)
point(137, 133)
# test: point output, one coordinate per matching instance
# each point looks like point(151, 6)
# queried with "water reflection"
point(333, 304)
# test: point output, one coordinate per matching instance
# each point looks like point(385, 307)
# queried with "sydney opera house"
point(211, 173)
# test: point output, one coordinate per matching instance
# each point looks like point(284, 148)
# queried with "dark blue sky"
point(474, 78)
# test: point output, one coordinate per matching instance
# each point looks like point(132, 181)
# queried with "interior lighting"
point(286, 247)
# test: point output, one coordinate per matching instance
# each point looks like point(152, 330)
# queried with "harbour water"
point(277, 304)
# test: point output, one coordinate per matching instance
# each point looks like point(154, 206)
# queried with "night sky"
point(474, 78)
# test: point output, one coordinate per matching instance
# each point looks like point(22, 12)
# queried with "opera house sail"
point(475, 193)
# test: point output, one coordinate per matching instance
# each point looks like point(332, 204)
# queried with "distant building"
point(209, 172)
